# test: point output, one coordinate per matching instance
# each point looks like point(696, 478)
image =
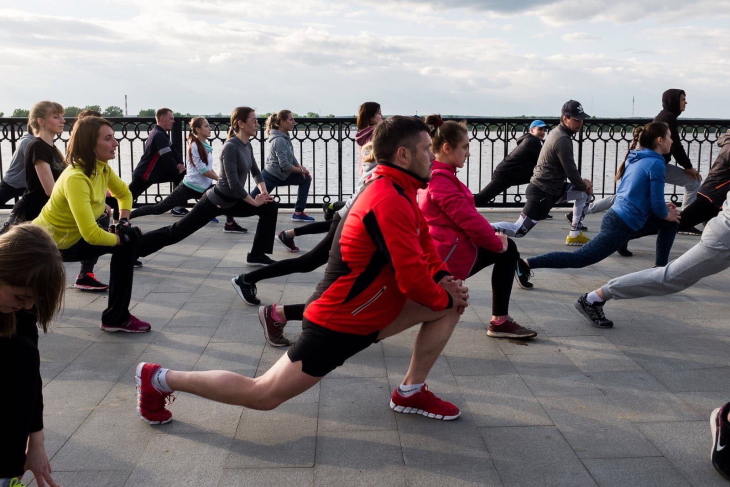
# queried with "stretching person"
point(383, 277)
point(548, 187)
point(368, 116)
point(282, 167)
point(77, 201)
point(229, 196)
point(464, 238)
point(32, 281)
point(13, 183)
point(199, 174)
point(639, 207)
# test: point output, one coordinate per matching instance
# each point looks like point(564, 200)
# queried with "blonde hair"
point(272, 123)
point(30, 259)
point(42, 109)
point(368, 155)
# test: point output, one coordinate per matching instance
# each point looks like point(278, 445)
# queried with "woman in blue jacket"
point(639, 208)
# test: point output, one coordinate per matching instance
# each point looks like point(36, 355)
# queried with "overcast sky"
point(467, 57)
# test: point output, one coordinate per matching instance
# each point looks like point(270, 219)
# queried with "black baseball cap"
point(574, 109)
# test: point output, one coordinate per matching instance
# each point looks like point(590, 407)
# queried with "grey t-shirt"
point(15, 175)
point(236, 162)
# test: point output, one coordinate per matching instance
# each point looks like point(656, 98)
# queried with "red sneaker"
point(424, 402)
point(151, 402)
point(132, 325)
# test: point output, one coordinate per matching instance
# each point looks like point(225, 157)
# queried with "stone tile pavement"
point(576, 406)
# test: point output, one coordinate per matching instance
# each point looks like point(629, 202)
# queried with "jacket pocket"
point(453, 248)
point(369, 301)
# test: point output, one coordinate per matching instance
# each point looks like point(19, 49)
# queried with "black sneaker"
point(137, 263)
point(179, 211)
point(273, 330)
point(88, 282)
point(328, 212)
point(624, 251)
point(286, 242)
point(569, 217)
point(548, 216)
point(594, 312)
point(259, 260)
point(234, 228)
point(694, 231)
point(246, 291)
point(523, 275)
point(720, 456)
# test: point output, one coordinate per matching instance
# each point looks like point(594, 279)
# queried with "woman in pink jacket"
point(464, 238)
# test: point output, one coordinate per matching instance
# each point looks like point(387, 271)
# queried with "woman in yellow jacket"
point(78, 200)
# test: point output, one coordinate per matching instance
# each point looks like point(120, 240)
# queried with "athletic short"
point(539, 203)
point(322, 350)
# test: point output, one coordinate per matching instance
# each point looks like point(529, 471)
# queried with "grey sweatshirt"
point(236, 162)
point(281, 156)
point(15, 175)
point(719, 228)
point(556, 163)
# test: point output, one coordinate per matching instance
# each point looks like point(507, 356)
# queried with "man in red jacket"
point(383, 277)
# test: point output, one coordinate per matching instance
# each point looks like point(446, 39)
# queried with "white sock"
point(594, 298)
point(159, 380)
point(409, 390)
point(574, 233)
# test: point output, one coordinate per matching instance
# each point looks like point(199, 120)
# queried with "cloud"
point(580, 37)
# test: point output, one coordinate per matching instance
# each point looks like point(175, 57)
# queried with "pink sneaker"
point(132, 325)
point(424, 402)
point(151, 402)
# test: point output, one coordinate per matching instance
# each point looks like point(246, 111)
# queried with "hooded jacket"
point(281, 156)
point(717, 183)
point(454, 224)
point(641, 190)
point(556, 163)
point(159, 161)
point(518, 166)
point(670, 112)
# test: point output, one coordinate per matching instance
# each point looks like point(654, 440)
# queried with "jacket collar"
point(404, 178)
point(442, 165)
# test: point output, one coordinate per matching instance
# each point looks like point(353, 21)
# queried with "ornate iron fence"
point(327, 147)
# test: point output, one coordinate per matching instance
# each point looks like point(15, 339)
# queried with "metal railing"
point(327, 147)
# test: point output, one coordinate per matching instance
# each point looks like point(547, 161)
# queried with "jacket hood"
point(724, 139)
point(364, 136)
point(637, 155)
point(276, 134)
point(670, 100)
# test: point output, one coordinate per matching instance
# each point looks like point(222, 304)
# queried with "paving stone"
point(354, 404)
point(267, 477)
point(552, 374)
point(697, 380)
point(89, 478)
point(471, 352)
point(595, 354)
point(647, 472)
point(534, 455)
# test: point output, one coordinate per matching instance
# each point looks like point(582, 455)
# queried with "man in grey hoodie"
point(282, 167)
point(13, 181)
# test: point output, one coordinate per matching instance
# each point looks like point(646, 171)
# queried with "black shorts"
point(539, 203)
point(322, 350)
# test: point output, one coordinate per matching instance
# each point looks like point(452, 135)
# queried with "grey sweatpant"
point(710, 256)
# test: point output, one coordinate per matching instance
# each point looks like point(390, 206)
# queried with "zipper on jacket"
point(448, 256)
point(370, 301)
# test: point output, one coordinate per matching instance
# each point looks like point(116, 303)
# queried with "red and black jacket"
point(159, 161)
point(381, 256)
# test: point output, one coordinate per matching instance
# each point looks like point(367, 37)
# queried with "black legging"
point(22, 413)
point(313, 228)
point(494, 189)
point(502, 274)
point(306, 263)
point(698, 212)
point(7, 192)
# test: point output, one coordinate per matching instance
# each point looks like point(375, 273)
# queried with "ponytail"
point(646, 138)
point(449, 132)
point(196, 123)
point(272, 123)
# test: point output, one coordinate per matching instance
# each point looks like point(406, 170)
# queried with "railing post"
point(176, 136)
point(580, 150)
point(339, 161)
point(12, 137)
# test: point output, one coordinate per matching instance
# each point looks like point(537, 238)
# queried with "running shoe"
point(14, 482)
point(88, 282)
point(258, 260)
point(509, 329)
point(301, 217)
point(273, 331)
point(720, 427)
point(214, 220)
point(624, 251)
point(594, 312)
point(233, 228)
point(578, 241)
point(132, 325)
point(179, 211)
point(286, 242)
point(569, 217)
point(523, 275)
point(424, 402)
point(246, 291)
point(151, 402)
point(137, 263)
point(694, 231)
point(328, 212)
point(548, 217)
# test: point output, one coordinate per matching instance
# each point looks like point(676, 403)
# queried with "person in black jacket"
point(517, 167)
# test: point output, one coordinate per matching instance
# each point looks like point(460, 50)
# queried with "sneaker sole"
point(303, 221)
point(521, 285)
point(575, 244)
point(240, 294)
point(497, 334)
point(90, 289)
point(124, 330)
point(234, 231)
point(582, 311)
point(276, 239)
point(138, 381)
point(255, 264)
point(262, 320)
point(407, 410)
point(714, 427)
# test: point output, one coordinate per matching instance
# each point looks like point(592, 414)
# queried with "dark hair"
point(395, 132)
point(272, 123)
point(238, 114)
point(161, 112)
point(646, 137)
point(87, 113)
point(82, 143)
point(366, 112)
point(196, 123)
point(449, 132)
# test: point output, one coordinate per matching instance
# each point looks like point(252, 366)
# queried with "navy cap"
point(574, 109)
point(537, 123)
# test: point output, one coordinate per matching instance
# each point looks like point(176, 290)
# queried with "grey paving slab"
point(353, 404)
point(266, 477)
point(87, 478)
point(552, 374)
point(647, 472)
point(470, 352)
point(595, 354)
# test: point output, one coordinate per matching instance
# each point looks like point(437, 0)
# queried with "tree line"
point(114, 111)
